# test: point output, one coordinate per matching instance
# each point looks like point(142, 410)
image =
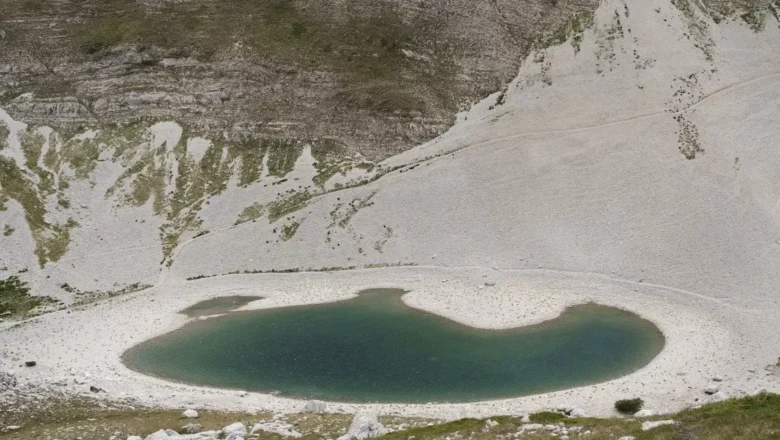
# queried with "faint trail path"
point(164, 272)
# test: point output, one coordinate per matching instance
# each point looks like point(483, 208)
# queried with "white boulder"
point(364, 425)
point(489, 424)
point(646, 426)
point(160, 435)
point(627, 437)
point(315, 406)
point(134, 437)
point(235, 428)
point(190, 414)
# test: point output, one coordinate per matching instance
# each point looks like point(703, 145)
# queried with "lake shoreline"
point(336, 355)
point(697, 333)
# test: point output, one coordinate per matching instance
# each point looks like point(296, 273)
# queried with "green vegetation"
point(88, 297)
point(365, 52)
point(546, 417)
point(297, 200)
point(697, 27)
point(629, 406)
point(573, 29)
point(330, 156)
point(688, 138)
point(251, 213)
point(343, 214)
point(250, 152)
point(4, 133)
point(751, 418)
point(16, 301)
point(282, 156)
point(288, 231)
point(8, 230)
point(51, 240)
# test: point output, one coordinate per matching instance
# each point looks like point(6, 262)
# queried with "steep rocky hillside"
point(145, 139)
point(370, 77)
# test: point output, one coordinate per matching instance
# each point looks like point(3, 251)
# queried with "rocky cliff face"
point(375, 78)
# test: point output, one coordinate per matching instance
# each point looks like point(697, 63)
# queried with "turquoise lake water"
point(374, 348)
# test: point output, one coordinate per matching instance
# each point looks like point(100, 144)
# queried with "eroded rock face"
point(378, 78)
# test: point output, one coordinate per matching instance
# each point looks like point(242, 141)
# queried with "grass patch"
point(297, 200)
point(288, 231)
point(51, 240)
point(546, 417)
point(16, 301)
point(251, 213)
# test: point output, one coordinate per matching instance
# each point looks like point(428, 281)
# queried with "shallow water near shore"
point(374, 348)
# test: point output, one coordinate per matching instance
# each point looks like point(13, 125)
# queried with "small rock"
point(711, 390)
point(490, 283)
point(489, 424)
point(243, 394)
point(13, 428)
point(717, 379)
point(95, 389)
point(718, 397)
point(30, 364)
point(646, 426)
point(191, 428)
point(577, 412)
point(627, 437)
point(134, 437)
point(315, 406)
point(190, 414)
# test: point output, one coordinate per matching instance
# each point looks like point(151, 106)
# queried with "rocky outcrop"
point(382, 77)
point(364, 425)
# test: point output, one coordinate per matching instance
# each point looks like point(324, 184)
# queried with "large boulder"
point(159, 435)
point(315, 406)
point(364, 425)
point(235, 428)
point(190, 414)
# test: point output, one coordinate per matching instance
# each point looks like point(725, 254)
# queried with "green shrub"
point(629, 406)
point(15, 298)
point(546, 417)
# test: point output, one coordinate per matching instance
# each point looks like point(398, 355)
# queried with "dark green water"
point(376, 349)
